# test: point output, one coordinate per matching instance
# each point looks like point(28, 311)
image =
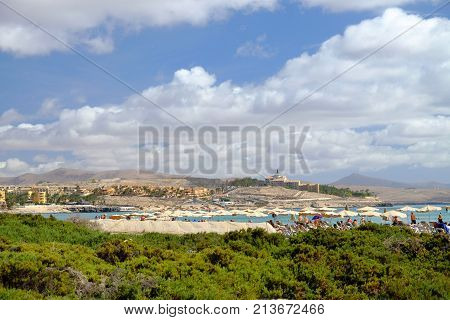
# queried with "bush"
point(45, 259)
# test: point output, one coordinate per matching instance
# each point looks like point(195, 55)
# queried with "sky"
point(235, 62)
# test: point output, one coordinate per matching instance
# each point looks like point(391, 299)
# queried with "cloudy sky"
point(240, 62)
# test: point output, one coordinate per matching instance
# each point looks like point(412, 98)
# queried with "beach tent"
point(367, 209)
point(394, 213)
point(407, 208)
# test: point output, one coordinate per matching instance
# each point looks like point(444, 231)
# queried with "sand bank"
point(176, 227)
point(40, 209)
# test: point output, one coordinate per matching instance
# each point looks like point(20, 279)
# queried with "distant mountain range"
point(74, 176)
point(77, 176)
point(63, 175)
point(356, 179)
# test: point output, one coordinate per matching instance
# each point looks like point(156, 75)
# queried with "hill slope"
point(64, 175)
point(356, 179)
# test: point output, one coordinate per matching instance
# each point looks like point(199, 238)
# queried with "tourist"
point(395, 221)
point(440, 218)
point(413, 218)
point(363, 221)
point(355, 223)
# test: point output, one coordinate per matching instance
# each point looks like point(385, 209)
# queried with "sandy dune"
point(176, 227)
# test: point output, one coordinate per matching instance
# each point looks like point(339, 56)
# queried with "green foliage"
point(47, 259)
point(345, 192)
point(72, 198)
point(247, 182)
point(13, 199)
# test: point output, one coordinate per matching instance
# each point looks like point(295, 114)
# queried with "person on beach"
point(440, 218)
point(413, 218)
point(363, 221)
point(355, 223)
point(395, 221)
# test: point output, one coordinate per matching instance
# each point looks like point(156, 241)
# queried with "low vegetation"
point(13, 199)
point(73, 198)
point(345, 192)
point(324, 188)
point(247, 182)
point(48, 259)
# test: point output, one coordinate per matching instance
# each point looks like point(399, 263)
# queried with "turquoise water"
point(428, 216)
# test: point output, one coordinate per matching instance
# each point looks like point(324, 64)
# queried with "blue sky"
point(150, 56)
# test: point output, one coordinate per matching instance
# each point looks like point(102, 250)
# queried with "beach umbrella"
point(307, 209)
point(367, 209)
point(326, 209)
point(429, 208)
point(393, 213)
point(347, 213)
point(256, 214)
point(307, 212)
point(407, 208)
point(370, 214)
point(330, 214)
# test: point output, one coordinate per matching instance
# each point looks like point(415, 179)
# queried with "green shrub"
point(45, 259)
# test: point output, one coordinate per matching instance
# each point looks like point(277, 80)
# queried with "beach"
point(176, 227)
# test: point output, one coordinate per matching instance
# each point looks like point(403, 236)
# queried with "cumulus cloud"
point(78, 21)
point(392, 110)
point(357, 5)
point(10, 116)
point(14, 166)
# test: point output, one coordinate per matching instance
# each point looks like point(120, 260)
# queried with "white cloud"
point(10, 116)
point(256, 48)
point(392, 110)
point(14, 167)
point(358, 5)
point(79, 21)
point(50, 107)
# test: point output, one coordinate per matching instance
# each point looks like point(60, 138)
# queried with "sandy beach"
point(40, 209)
point(176, 227)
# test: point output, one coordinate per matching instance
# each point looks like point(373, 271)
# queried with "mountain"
point(65, 176)
point(356, 179)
